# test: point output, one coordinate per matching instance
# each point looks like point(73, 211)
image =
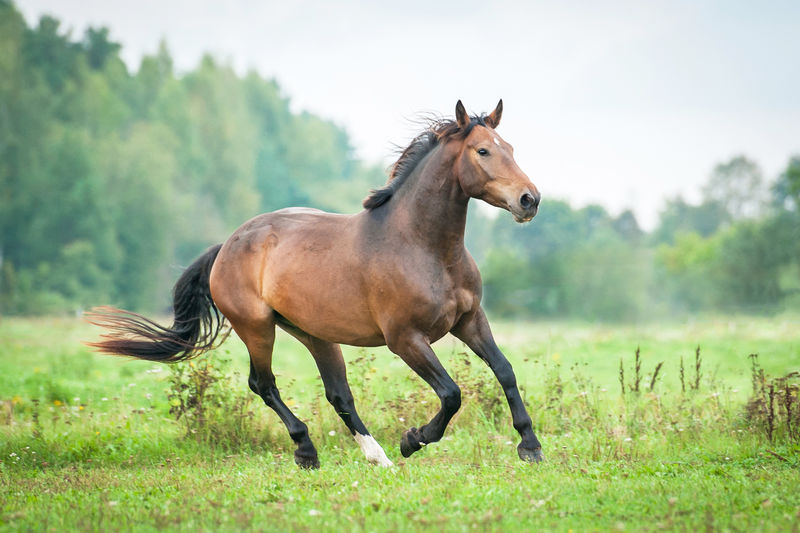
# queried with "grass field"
point(91, 442)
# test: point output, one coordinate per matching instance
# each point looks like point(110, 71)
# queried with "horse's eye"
point(483, 151)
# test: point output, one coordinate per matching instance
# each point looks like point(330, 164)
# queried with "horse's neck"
point(431, 207)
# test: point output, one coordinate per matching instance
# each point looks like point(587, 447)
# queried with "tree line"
point(736, 251)
point(112, 180)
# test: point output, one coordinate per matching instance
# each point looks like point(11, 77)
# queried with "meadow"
point(691, 440)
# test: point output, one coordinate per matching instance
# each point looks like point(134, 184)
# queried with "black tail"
point(196, 325)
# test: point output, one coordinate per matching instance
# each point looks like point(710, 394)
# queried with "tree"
point(99, 48)
point(679, 217)
point(738, 186)
point(627, 226)
point(786, 190)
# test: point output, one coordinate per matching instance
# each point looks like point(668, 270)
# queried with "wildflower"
point(331, 433)
point(314, 512)
point(80, 408)
point(556, 357)
point(56, 402)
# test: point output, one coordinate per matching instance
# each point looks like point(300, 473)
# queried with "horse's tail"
point(195, 328)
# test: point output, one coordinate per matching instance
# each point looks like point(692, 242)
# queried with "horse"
point(396, 274)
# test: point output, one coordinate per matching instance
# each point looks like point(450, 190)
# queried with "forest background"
point(113, 180)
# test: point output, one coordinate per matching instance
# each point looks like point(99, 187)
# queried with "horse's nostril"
point(527, 201)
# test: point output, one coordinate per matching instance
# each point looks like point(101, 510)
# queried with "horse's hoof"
point(530, 456)
point(306, 462)
point(410, 442)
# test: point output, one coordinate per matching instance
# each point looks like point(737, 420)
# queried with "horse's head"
point(486, 168)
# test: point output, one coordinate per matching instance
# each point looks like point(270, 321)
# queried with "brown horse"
point(397, 273)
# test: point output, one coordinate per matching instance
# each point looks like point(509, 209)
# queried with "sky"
point(615, 102)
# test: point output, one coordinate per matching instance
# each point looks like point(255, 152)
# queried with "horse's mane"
point(436, 132)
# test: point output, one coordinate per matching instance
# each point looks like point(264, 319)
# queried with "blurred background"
point(665, 137)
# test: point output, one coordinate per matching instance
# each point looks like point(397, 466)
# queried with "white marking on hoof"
point(372, 450)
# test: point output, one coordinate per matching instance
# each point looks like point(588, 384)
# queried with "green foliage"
point(786, 190)
point(688, 271)
point(581, 263)
point(108, 177)
point(680, 217)
point(111, 180)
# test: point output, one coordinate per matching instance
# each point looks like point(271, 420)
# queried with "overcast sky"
point(621, 103)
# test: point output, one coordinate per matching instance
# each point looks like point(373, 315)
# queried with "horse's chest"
point(428, 298)
point(444, 309)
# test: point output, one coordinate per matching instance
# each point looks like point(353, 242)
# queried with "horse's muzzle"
point(528, 206)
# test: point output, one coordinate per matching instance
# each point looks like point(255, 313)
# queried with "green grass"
point(88, 442)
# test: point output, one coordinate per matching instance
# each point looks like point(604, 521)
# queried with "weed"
point(697, 373)
point(683, 377)
point(773, 406)
point(637, 371)
point(637, 374)
point(655, 375)
point(212, 404)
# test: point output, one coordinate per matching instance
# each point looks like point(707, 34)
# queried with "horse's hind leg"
point(330, 363)
point(259, 339)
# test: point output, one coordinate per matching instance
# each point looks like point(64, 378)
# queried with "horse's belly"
point(333, 324)
point(327, 303)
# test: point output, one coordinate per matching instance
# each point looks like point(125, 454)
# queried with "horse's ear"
point(494, 117)
point(462, 119)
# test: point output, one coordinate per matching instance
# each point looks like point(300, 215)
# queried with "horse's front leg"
point(474, 330)
point(415, 350)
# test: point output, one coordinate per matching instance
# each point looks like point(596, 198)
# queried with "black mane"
point(436, 132)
